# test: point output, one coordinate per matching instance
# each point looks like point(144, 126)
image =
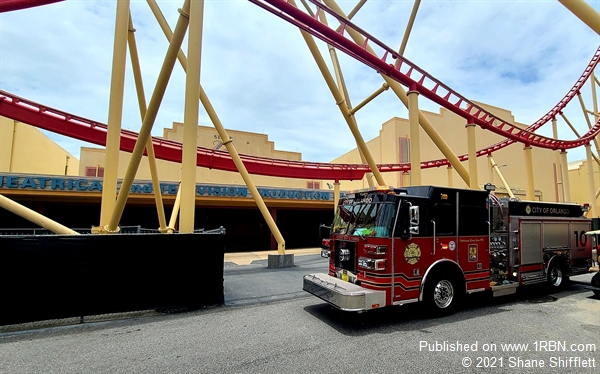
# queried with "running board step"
point(505, 289)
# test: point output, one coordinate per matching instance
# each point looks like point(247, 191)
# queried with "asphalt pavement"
point(247, 280)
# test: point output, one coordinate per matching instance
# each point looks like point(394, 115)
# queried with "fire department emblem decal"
point(472, 252)
point(412, 254)
point(528, 209)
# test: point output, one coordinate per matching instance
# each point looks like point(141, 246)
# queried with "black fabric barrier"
point(49, 277)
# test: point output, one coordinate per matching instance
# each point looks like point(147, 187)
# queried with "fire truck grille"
point(345, 255)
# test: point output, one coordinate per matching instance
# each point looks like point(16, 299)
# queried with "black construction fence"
point(59, 276)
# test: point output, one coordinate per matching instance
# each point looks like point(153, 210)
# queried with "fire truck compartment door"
point(531, 243)
point(341, 294)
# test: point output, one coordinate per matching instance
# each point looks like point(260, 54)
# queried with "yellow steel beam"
point(115, 113)
point(588, 152)
point(343, 90)
point(587, 118)
point(565, 173)
point(529, 169)
point(362, 145)
point(384, 87)
point(175, 211)
point(35, 217)
point(409, 26)
point(150, 117)
point(577, 135)
point(472, 152)
point(139, 86)
point(559, 176)
point(415, 143)
point(501, 176)
point(584, 12)
point(401, 93)
point(190, 119)
point(336, 195)
point(223, 134)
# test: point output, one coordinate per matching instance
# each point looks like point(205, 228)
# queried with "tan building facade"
point(25, 149)
point(580, 183)
point(92, 159)
point(393, 146)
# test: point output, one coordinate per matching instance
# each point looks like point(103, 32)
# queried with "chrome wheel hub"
point(556, 276)
point(443, 293)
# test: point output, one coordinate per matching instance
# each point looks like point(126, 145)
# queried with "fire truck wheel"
point(441, 295)
point(557, 277)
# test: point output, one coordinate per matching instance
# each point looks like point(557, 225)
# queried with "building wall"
point(25, 149)
point(579, 183)
point(386, 149)
point(245, 143)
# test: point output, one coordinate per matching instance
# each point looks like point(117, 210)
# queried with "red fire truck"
point(394, 246)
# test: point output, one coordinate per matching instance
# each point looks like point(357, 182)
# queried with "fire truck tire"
point(442, 294)
point(557, 276)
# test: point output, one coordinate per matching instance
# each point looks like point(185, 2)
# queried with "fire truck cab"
point(393, 246)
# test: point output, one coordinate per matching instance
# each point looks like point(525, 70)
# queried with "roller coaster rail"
point(404, 71)
point(447, 98)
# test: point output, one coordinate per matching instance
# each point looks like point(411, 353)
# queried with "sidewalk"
point(246, 258)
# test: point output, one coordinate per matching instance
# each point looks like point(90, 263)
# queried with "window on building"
point(94, 171)
point(313, 185)
point(404, 150)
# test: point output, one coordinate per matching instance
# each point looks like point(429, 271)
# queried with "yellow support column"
point(584, 12)
point(415, 144)
point(139, 87)
point(283, 260)
point(491, 169)
point(590, 167)
point(499, 173)
point(450, 176)
point(529, 168)
point(190, 119)
point(149, 118)
point(401, 93)
point(175, 211)
point(472, 151)
point(115, 113)
point(565, 173)
point(559, 176)
point(336, 195)
point(339, 99)
point(34, 217)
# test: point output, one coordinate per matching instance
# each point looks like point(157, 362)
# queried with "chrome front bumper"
point(343, 295)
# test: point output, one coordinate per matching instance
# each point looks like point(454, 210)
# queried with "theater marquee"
point(59, 184)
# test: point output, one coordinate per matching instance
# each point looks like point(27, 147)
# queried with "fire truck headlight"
point(366, 263)
point(372, 264)
point(515, 274)
point(377, 249)
point(344, 254)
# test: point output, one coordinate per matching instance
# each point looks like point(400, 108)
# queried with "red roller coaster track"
point(407, 73)
point(9, 5)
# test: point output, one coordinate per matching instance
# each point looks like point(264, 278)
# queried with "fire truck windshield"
point(374, 219)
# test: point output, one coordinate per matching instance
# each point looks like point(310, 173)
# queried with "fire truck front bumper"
point(341, 294)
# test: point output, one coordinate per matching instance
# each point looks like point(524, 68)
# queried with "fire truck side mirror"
point(408, 224)
point(414, 219)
